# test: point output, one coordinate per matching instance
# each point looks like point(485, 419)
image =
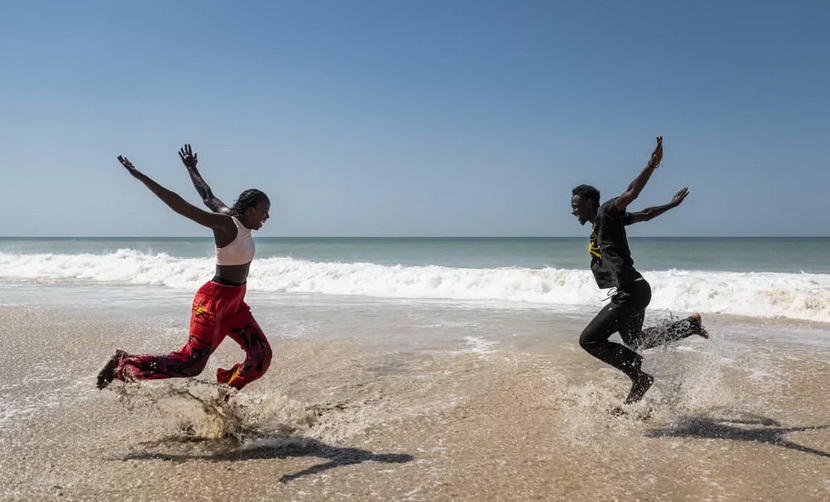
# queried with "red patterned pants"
point(218, 311)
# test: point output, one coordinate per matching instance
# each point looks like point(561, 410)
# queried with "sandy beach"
point(334, 420)
point(425, 205)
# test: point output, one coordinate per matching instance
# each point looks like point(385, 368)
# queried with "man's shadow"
point(285, 448)
point(769, 432)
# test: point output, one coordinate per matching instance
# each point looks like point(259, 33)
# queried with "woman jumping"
point(219, 309)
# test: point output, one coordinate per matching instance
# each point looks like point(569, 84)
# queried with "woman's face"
point(259, 214)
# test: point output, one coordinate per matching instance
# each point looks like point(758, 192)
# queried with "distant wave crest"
point(758, 294)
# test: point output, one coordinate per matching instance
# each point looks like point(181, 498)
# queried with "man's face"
point(582, 208)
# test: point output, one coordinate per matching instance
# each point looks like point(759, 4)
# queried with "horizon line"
point(416, 237)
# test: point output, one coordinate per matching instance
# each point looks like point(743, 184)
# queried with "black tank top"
point(611, 260)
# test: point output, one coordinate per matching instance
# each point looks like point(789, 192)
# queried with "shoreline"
point(335, 419)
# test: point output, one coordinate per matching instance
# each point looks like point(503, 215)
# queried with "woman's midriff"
point(234, 274)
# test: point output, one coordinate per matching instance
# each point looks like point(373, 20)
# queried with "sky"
point(416, 118)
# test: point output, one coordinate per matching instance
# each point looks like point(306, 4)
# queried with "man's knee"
point(589, 341)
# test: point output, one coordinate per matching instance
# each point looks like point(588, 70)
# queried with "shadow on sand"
point(744, 427)
point(281, 448)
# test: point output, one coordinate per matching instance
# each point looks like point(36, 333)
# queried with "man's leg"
point(594, 339)
point(247, 333)
point(642, 339)
point(627, 308)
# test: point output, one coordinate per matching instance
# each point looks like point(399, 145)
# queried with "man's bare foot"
point(639, 387)
point(697, 324)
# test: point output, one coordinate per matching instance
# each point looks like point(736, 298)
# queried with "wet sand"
point(337, 420)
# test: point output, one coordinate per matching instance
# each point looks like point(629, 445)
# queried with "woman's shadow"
point(743, 427)
point(282, 448)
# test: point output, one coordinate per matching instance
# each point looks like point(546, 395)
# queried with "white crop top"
point(240, 251)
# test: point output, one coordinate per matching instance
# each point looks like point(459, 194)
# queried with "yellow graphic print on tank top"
point(593, 245)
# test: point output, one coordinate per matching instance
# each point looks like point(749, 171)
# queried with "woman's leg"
point(189, 361)
point(207, 314)
point(247, 333)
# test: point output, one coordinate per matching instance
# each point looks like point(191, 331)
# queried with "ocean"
point(784, 278)
point(416, 369)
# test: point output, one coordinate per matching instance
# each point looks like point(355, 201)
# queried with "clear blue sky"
point(416, 118)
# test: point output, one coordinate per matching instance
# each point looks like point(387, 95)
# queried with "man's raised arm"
point(636, 186)
point(655, 211)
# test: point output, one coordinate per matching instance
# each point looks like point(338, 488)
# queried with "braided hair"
point(247, 199)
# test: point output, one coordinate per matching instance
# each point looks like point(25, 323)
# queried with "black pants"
point(625, 314)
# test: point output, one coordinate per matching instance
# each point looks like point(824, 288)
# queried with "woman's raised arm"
point(190, 159)
point(218, 222)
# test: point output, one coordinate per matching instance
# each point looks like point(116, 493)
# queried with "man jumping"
point(613, 267)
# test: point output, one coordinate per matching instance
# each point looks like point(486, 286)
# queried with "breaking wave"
point(758, 294)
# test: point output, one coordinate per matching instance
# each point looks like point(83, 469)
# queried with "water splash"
point(196, 410)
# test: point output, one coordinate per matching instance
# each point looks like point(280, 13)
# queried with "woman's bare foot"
point(107, 374)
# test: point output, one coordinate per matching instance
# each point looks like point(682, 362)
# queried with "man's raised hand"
point(657, 154)
point(189, 159)
point(679, 196)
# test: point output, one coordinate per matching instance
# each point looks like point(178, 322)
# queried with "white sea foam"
point(760, 294)
point(480, 345)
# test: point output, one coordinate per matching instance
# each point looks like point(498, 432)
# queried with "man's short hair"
point(587, 192)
